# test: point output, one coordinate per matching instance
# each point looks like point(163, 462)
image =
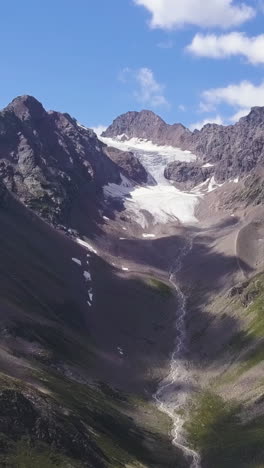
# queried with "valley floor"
point(88, 330)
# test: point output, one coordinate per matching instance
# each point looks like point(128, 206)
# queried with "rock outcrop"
point(235, 149)
point(48, 160)
point(130, 165)
point(147, 125)
point(187, 175)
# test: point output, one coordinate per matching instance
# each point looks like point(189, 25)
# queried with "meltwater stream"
point(166, 204)
point(172, 393)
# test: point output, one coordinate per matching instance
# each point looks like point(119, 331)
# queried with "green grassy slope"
point(226, 418)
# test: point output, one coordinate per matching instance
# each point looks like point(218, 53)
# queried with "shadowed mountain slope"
point(61, 397)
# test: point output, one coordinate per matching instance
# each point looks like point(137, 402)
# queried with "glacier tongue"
point(164, 202)
point(153, 157)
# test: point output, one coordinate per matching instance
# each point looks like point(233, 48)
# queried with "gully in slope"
point(172, 393)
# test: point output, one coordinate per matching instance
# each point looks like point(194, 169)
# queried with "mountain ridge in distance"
point(234, 150)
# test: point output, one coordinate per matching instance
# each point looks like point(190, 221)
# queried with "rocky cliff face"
point(149, 126)
point(233, 150)
point(188, 175)
point(130, 165)
point(48, 160)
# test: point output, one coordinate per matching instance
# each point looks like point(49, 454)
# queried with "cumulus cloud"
point(240, 113)
point(228, 45)
point(99, 129)
point(148, 90)
point(243, 95)
point(168, 14)
point(198, 125)
point(125, 74)
point(182, 108)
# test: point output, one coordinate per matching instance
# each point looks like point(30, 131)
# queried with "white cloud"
point(198, 125)
point(240, 113)
point(206, 107)
point(182, 108)
point(99, 129)
point(167, 14)
point(228, 45)
point(124, 74)
point(149, 91)
point(241, 96)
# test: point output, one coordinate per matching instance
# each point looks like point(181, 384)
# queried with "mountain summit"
point(147, 125)
point(52, 163)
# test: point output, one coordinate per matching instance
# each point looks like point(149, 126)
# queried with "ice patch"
point(208, 165)
point(90, 294)
point(201, 188)
point(119, 191)
point(87, 275)
point(125, 268)
point(138, 144)
point(81, 126)
point(124, 228)
point(148, 236)
point(105, 218)
point(164, 202)
point(85, 244)
point(213, 185)
point(76, 260)
point(122, 238)
point(122, 137)
point(121, 352)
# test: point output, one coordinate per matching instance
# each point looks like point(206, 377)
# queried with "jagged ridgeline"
point(131, 292)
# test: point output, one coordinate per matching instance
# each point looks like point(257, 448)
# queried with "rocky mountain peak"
point(147, 125)
point(26, 108)
point(134, 124)
point(233, 150)
point(51, 162)
point(255, 117)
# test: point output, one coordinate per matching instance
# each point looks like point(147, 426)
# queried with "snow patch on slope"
point(138, 144)
point(148, 236)
point(77, 261)
point(213, 185)
point(85, 244)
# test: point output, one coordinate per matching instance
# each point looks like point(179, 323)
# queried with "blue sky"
point(95, 60)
